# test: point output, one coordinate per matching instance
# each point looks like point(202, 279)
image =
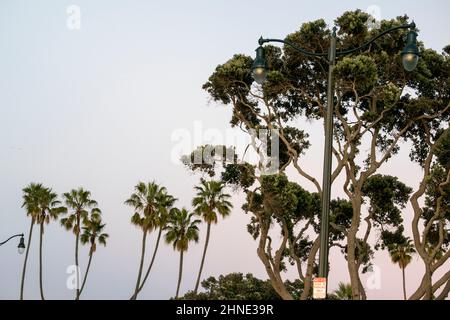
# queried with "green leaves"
point(287, 200)
point(93, 232)
point(239, 175)
point(82, 207)
point(401, 253)
point(341, 213)
point(205, 158)
point(151, 203)
point(344, 292)
point(237, 286)
point(353, 23)
point(211, 201)
point(31, 198)
point(359, 72)
point(230, 79)
point(181, 229)
point(387, 195)
point(42, 203)
point(442, 151)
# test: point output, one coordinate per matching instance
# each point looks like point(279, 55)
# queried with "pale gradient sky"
point(97, 107)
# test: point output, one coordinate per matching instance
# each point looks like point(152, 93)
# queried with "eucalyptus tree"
point(92, 233)
point(431, 221)
point(31, 196)
point(274, 200)
point(181, 229)
point(82, 208)
point(373, 111)
point(150, 203)
point(210, 202)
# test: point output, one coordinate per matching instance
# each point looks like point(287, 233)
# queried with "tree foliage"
point(378, 105)
point(237, 286)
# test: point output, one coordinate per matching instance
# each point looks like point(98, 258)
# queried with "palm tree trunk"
point(180, 274)
point(85, 274)
point(26, 259)
point(77, 240)
point(404, 283)
point(40, 259)
point(208, 231)
point(136, 290)
point(153, 260)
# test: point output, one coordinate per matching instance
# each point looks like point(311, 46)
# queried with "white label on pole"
point(320, 288)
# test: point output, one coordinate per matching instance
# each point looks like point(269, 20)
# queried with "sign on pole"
point(320, 288)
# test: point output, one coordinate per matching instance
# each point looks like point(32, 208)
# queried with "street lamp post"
point(410, 57)
point(21, 246)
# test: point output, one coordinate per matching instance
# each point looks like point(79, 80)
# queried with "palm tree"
point(49, 208)
point(344, 292)
point(91, 234)
point(31, 203)
point(401, 254)
point(164, 203)
point(145, 203)
point(210, 201)
point(181, 229)
point(79, 202)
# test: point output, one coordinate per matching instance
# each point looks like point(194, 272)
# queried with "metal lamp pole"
point(410, 56)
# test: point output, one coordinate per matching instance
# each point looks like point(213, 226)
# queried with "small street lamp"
point(21, 246)
point(410, 54)
point(410, 57)
point(259, 66)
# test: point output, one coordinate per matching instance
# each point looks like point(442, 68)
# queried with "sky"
point(100, 104)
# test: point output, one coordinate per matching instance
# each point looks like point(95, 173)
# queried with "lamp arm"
point(404, 26)
point(16, 235)
point(294, 46)
point(339, 53)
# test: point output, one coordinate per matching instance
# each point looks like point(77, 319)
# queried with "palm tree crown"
point(92, 233)
point(401, 253)
point(49, 205)
point(165, 203)
point(181, 229)
point(343, 292)
point(80, 202)
point(211, 200)
point(31, 199)
point(145, 203)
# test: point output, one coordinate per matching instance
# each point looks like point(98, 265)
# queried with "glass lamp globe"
point(21, 246)
point(259, 66)
point(410, 61)
point(410, 54)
